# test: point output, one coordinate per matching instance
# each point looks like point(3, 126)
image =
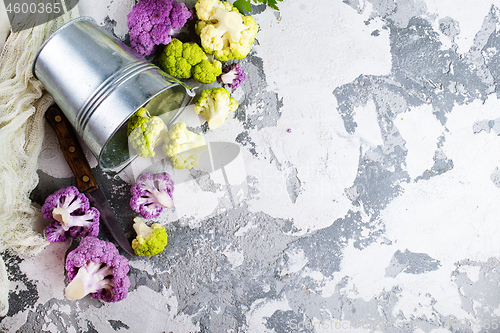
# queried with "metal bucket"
point(99, 83)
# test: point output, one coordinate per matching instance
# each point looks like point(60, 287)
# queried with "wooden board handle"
point(71, 148)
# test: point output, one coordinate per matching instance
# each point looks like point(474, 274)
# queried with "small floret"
point(150, 241)
point(71, 215)
point(178, 58)
point(223, 30)
point(182, 146)
point(215, 104)
point(95, 267)
point(186, 60)
point(145, 133)
point(152, 22)
point(151, 193)
point(232, 75)
point(139, 118)
point(207, 71)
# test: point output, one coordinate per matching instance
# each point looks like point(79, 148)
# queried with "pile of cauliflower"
point(223, 30)
point(225, 35)
point(95, 267)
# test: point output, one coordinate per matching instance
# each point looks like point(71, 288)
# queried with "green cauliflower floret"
point(223, 30)
point(137, 119)
point(215, 104)
point(150, 241)
point(186, 60)
point(207, 72)
point(145, 132)
point(182, 146)
point(178, 58)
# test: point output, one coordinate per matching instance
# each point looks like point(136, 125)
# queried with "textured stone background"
point(378, 212)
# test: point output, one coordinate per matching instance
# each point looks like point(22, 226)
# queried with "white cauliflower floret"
point(215, 104)
point(223, 30)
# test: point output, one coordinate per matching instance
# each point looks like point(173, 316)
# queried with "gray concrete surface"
point(376, 212)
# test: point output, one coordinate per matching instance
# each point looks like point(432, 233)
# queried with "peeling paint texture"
point(364, 197)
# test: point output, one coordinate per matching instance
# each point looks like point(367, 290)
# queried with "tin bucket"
point(99, 83)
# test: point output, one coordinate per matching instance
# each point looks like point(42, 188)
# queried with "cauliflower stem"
point(96, 268)
point(89, 279)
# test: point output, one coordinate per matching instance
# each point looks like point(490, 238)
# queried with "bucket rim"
point(64, 26)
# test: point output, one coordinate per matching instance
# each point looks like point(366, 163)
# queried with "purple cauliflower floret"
point(95, 267)
point(71, 215)
point(232, 75)
point(151, 193)
point(152, 22)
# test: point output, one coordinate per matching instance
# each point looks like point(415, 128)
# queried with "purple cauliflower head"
point(95, 267)
point(232, 75)
point(71, 215)
point(151, 23)
point(151, 193)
